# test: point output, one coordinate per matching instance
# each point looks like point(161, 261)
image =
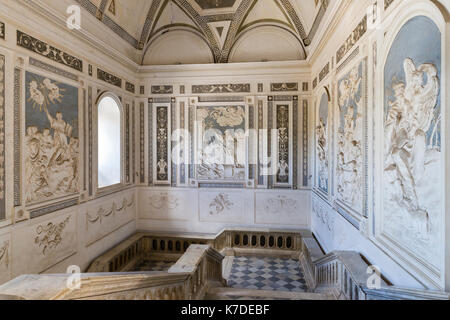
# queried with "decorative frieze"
point(109, 78)
point(359, 31)
point(130, 87)
point(58, 206)
point(2, 138)
point(17, 137)
point(2, 30)
point(281, 87)
point(37, 46)
point(314, 83)
point(221, 88)
point(162, 89)
point(324, 72)
point(49, 68)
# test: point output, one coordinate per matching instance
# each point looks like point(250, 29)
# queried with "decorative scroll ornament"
point(279, 87)
point(50, 236)
point(221, 88)
point(283, 143)
point(220, 204)
point(162, 140)
point(281, 205)
point(359, 31)
point(46, 50)
point(102, 213)
point(109, 78)
point(4, 253)
point(164, 200)
point(2, 30)
point(130, 87)
point(162, 89)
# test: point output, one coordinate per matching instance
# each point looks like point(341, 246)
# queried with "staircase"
point(246, 294)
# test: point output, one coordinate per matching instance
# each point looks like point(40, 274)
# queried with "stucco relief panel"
point(45, 242)
point(282, 208)
point(350, 144)
point(105, 216)
point(167, 204)
point(223, 206)
point(51, 148)
point(412, 167)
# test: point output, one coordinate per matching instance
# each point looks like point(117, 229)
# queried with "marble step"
point(245, 294)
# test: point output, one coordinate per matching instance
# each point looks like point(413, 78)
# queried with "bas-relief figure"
point(221, 147)
point(51, 142)
point(412, 140)
point(349, 167)
point(322, 144)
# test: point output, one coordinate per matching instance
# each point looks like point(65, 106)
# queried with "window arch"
point(109, 141)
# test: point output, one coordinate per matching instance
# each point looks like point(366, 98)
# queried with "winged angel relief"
point(407, 154)
point(51, 152)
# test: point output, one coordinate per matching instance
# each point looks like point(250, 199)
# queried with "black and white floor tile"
point(267, 274)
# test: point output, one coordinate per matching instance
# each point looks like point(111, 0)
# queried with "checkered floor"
point(267, 274)
point(150, 265)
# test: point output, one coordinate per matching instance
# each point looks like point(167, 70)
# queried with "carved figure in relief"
point(349, 153)
point(322, 152)
point(51, 156)
point(222, 149)
point(406, 126)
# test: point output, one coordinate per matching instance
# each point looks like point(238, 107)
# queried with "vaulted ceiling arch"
point(220, 22)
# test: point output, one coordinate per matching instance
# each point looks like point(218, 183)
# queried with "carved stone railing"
point(344, 273)
point(262, 240)
point(141, 246)
point(197, 270)
point(170, 247)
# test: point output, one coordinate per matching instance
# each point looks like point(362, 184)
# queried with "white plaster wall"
point(194, 210)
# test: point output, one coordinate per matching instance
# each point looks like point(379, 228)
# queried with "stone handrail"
point(345, 274)
point(199, 268)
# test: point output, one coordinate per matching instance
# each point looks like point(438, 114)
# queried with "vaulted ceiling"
point(212, 31)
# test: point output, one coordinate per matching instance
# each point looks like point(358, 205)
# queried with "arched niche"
point(266, 43)
point(177, 46)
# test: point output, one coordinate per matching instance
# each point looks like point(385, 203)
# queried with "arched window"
point(109, 142)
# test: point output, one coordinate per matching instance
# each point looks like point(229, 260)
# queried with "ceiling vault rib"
point(238, 18)
point(318, 20)
point(202, 23)
point(99, 14)
point(148, 23)
point(286, 4)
